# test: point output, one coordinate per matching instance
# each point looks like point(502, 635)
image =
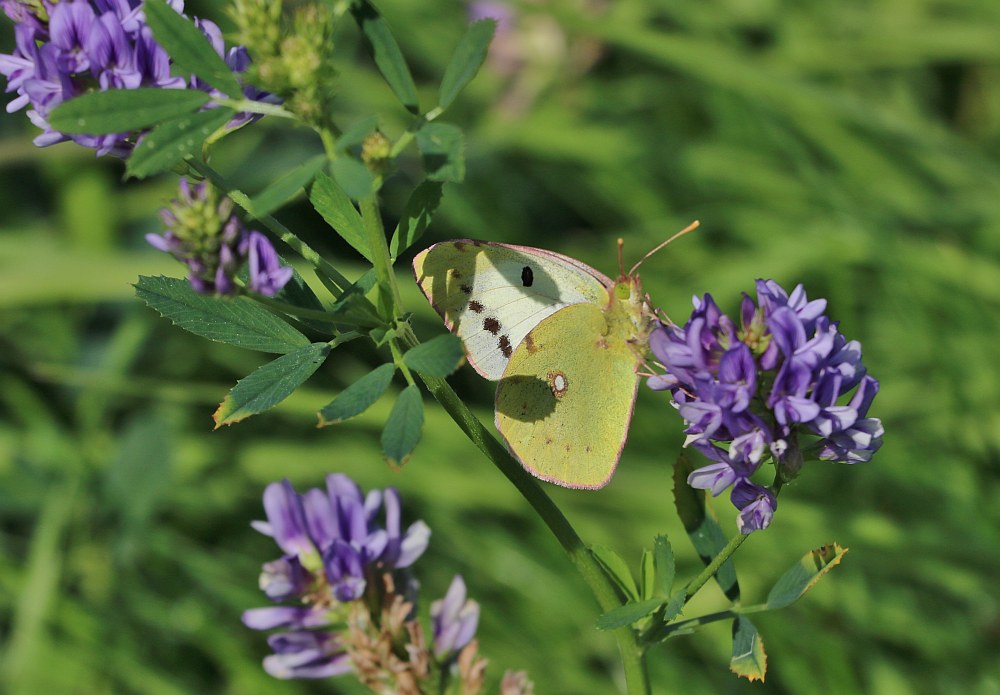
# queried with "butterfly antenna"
point(621, 263)
point(690, 228)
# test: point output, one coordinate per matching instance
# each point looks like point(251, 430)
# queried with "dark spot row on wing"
point(492, 325)
point(505, 347)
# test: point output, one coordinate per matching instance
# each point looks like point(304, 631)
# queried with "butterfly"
point(564, 341)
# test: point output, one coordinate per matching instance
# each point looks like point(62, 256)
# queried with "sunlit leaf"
point(384, 49)
point(804, 574)
point(189, 48)
point(124, 110)
point(617, 570)
point(270, 384)
point(284, 188)
point(339, 212)
point(749, 658)
point(234, 320)
point(353, 177)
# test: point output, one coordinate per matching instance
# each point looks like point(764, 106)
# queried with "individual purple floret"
point(335, 542)
point(203, 235)
point(769, 389)
point(454, 620)
point(66, 49)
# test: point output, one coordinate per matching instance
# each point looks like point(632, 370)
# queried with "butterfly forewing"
point(492, 295)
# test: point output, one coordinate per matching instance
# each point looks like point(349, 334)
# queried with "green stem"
point(251, 106)
point(586, 564)
point(711, 568)
point(327, 271)
point(406, 138)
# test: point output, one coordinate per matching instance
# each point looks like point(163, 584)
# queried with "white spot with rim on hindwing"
point(558, 384)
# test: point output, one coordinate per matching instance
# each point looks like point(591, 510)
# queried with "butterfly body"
point(563, 340)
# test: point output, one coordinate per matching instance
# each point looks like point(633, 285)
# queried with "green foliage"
point(384, 49)
point(286, 187)
point(358, 397)
point(849, 147)
point(336, 207)
point(269, 385)
point(231, 320)
point(443, 148)
point(466, 61)
point(189, 48)
point(439, 356)
point(749, 658)
point(173, 140)
point(404, 426)
point(124, 110)
point(416, 216)
point(804, 575)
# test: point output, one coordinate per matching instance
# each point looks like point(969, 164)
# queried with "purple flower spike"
point(750, 394)
point(337, 556)
point(65, 49)
point(454, 619)
point(267, 275)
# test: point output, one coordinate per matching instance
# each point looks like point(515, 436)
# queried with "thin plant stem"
point(372, 219)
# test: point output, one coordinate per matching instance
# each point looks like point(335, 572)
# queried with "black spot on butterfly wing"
point(527, 276)
point(476, 306)
point(505, 346)
point(492, 325)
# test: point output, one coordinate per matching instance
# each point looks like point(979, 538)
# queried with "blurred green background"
point(851, 146)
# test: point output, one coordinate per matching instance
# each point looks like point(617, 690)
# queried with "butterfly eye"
point(623, 291)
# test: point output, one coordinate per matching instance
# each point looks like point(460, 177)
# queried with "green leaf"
point(647, 575)
point(442, 146)
point(749, 658)
point(702, 527)
point(232, 320)
point(617, 570)
point(384, 49)
point(267, 386)
point(354, 135)
point(466, 61)
point(124, 110)
point(416, 217)
point(804, 574)
point(174, 140)
point(189, 48)
point(339, 212)
point(286, 187)
point(674, 606)
point(357, 397)
point(663, 559)
point(140, 472)
point(297, 293)
point(439, 356)
point(628, 614)
point(402, 429)
point(353, 177)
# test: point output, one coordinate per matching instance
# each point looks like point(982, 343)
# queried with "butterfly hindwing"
point(492, 295)
point(565, 402)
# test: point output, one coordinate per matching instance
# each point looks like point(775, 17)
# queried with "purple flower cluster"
point(64, 49)
point(749, 392)
point(214, 245)
point(454, 620)
point(337, 544)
